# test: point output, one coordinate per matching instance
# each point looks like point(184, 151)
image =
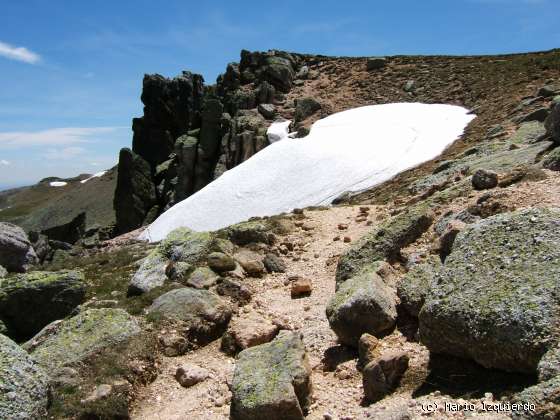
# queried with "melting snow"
point(348, 151)
point(97, 175)
point(58, 184)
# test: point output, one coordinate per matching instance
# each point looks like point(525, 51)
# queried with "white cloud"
point(18, 53)
point(65, 153)
point(4, 162)
point(51, 137)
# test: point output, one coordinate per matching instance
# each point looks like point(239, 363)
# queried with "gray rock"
point(23, 384)
point(409, 86)
point(274, 264)
point(537, 115)
point(3, 272)
point(375, 63)
point(414, 286)
point(541, 401)
point(362, 304)
point(202, 278)
point(493, 300)
point(548, 91)
point(386, 241)
point(552, 160)
point(74, 339)
point(552, 124)
point(178, 271)
point(220, 262)
point(150, 275)
point(204, 315)
point(42, 296)
point(16, 252)
point(306, 107)
point(272, 381)
point(549, 365)
point(484, 180)
point(257, 231)
point(267, 110)
point(383, 375)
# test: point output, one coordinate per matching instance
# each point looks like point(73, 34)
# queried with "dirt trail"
point(337, 390)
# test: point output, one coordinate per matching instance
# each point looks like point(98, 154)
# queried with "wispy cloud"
point(18, 53)
point(65, 153)
point(4, 162)
point(51, 137)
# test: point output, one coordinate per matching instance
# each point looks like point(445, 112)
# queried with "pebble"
point(347, 239)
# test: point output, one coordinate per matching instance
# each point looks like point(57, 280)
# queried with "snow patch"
point(348, 151)
point(97, 175)
point(278, 131)
point(58, 184)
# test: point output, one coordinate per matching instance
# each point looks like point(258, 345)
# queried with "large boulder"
point(362, 304)
point(16, 252)
point(494, 300)
point(386, 241)
point(306, 107)
point(135, 193)
point(30, 301)
point(69, 232)
point(279, 72)
point(272, 381)
point(203, 314)
point(74, 339)
point(23, 384)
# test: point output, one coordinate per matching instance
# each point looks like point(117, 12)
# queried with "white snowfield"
point(346, 152)
point(58, 184)
point(97, 175)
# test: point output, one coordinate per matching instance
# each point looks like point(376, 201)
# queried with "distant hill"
point(42, 206)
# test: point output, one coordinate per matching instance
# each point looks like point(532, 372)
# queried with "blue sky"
point(71, 71)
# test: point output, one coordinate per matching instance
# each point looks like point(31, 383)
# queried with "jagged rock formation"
point(190, 134)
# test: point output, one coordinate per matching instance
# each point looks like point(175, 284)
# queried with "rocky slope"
point(432, 295)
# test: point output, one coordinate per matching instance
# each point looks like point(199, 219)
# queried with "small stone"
point(301, 287)
point(375, 63)
point(342, 226)
point(336, 238)
point(368, 349)
point(382, 376)
point(297, 211)
point(274, 264)
point(347, 239)
point(484, 179)
point(188, 375)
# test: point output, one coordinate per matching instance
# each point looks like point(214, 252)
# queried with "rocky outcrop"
point(23, 384)
point(191, 134)
point(272, 381)
point(493, 300)
point(362, 304)
point(385, 242)
point(135, 194)
point(16, 252)
point(76, 338)
point(203, 315)
point(30, 301)
point(552, 124)
point(70, 232)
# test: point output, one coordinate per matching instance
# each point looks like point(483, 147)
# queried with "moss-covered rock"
point(3, 272)
point(362, 304)
point(415, 284)
point(495, 299)
point(23, 384)
point(272, 381)
point(220, 262)
point(552, 160)
point(202, 313)
point(386, 241)
point(202, 278)
point(150, 275)
point(30, 301)
point(88, 332)
point(252, 231)
point(181, 245)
